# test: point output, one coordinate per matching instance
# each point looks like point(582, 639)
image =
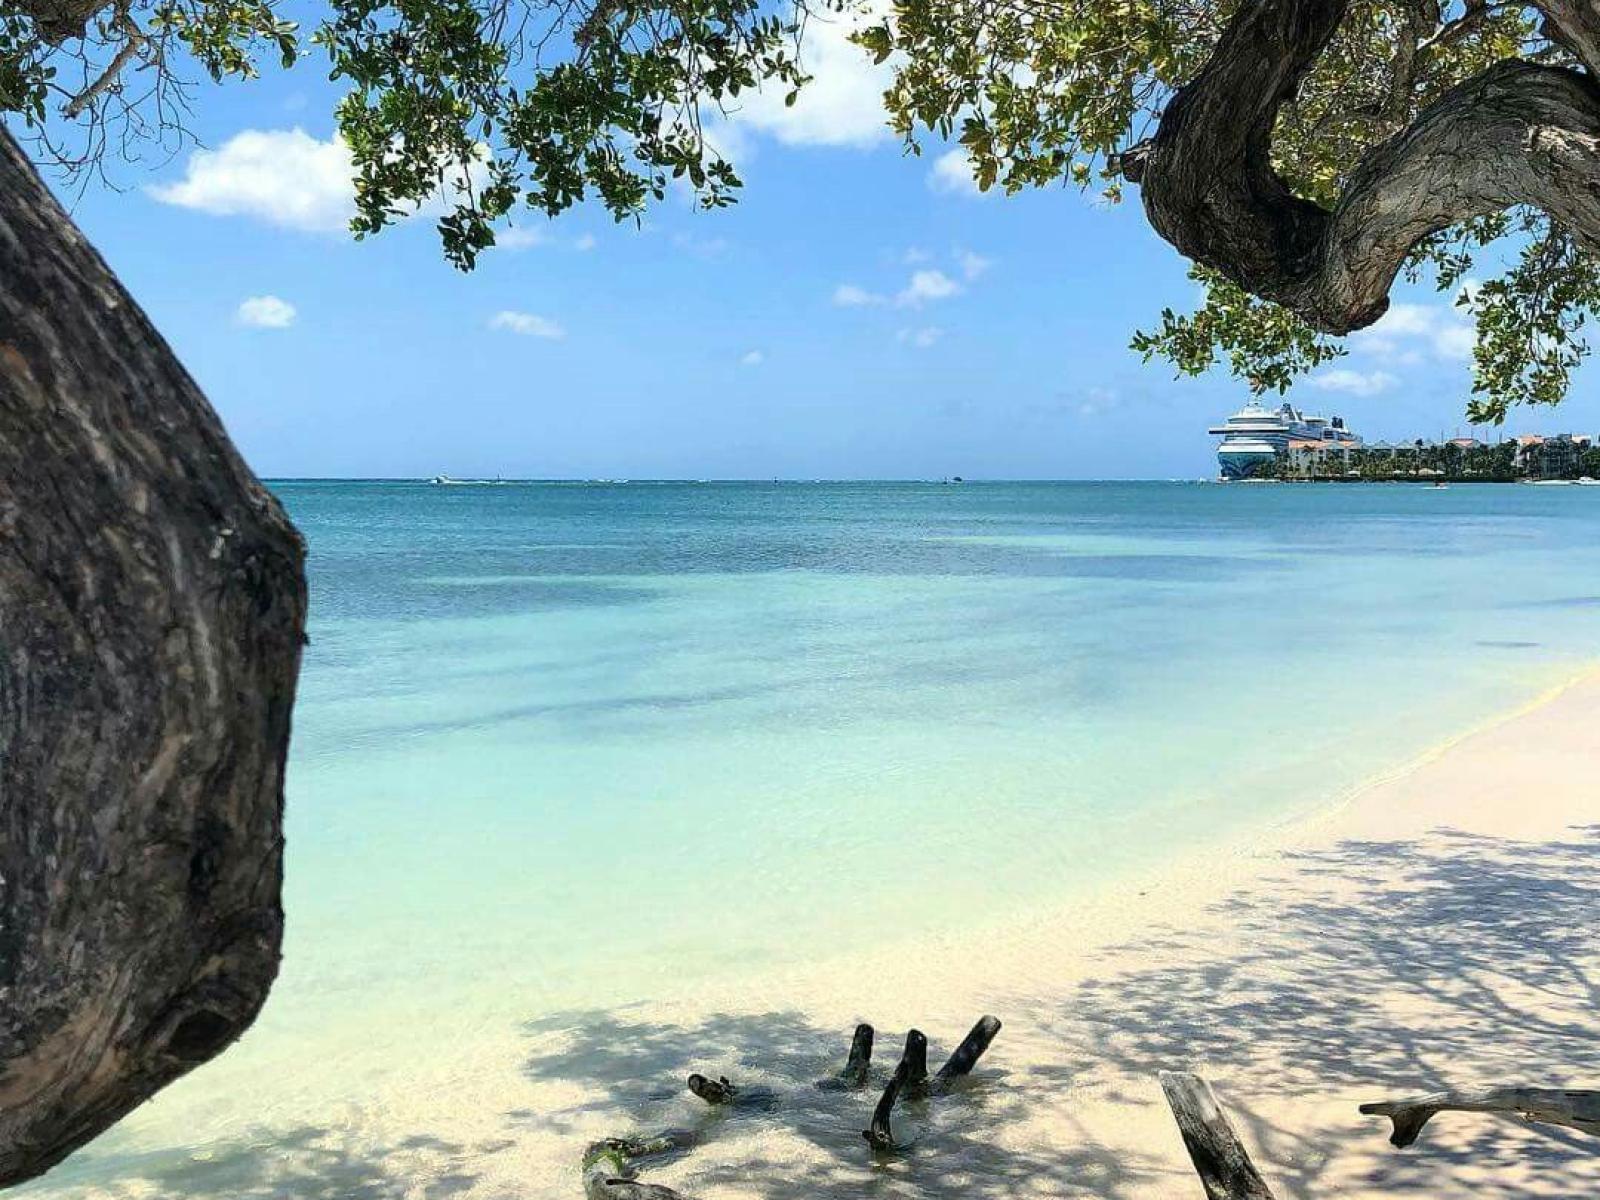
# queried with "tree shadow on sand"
point(307, 1162)
point(1471, 960)
point(1381, 969)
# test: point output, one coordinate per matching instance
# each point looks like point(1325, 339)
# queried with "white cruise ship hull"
point(1243, 458)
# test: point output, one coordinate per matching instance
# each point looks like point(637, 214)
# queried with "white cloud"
point(952, 173)
point(284, 177)
point(265, 312)
point(752, 358)
point(848, 295)
point(926, 286)
point(1353, 383)
point(920, 338)
point(915, 255)
point(526, 237)
point(1407, 320)
point(1456, 340)
point(526, 324)
point(287, 178)
point(708, 247)
point(1409, 334)
point(520, 237)
point(841, 106)
point(973, 265)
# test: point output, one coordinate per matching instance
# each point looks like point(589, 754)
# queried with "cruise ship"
point(1256, 434)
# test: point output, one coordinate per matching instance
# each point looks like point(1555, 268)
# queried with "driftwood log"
point(966, 1056)
point(1219, 1157)
point(152, 598)
point(1576, 1110)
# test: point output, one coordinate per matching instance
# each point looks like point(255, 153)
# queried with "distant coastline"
point(1558, 458)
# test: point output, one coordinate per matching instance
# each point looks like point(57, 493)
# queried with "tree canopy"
point(1303, 154)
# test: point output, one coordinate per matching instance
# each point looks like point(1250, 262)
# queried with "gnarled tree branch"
point(1518, 134)
point(134, 42)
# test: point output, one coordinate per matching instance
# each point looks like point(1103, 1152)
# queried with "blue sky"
point(860, 313)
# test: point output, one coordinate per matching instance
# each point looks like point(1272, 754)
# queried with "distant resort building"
point(1283, 443)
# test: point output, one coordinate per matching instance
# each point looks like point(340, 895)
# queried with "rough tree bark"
point(1520, 133)
point(152, 607)
point(60, 20)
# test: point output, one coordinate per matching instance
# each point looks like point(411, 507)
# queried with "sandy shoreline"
point(1430, 930)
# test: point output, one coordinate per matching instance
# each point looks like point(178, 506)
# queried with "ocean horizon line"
point(733, 479)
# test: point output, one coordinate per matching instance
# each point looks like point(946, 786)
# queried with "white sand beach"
point(1433, 930)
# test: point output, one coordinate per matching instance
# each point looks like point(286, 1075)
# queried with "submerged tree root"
point(911, 1077)
point(611, 1167)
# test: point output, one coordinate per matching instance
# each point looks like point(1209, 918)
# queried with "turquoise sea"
point(562, 747)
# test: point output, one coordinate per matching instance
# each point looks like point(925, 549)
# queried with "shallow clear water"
point(560, 747)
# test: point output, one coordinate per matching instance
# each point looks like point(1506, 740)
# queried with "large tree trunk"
point(152, 607)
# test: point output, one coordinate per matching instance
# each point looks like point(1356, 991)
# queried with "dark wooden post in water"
point(911, 1076)
point(853, 1076)
point(879, 1133)
point(967, 1054)
point(152, 599)
point(1218, 1155)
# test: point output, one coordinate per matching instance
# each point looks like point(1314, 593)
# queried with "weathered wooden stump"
point(1219, 1157)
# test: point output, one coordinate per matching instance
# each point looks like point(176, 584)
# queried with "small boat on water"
point(447, 481)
